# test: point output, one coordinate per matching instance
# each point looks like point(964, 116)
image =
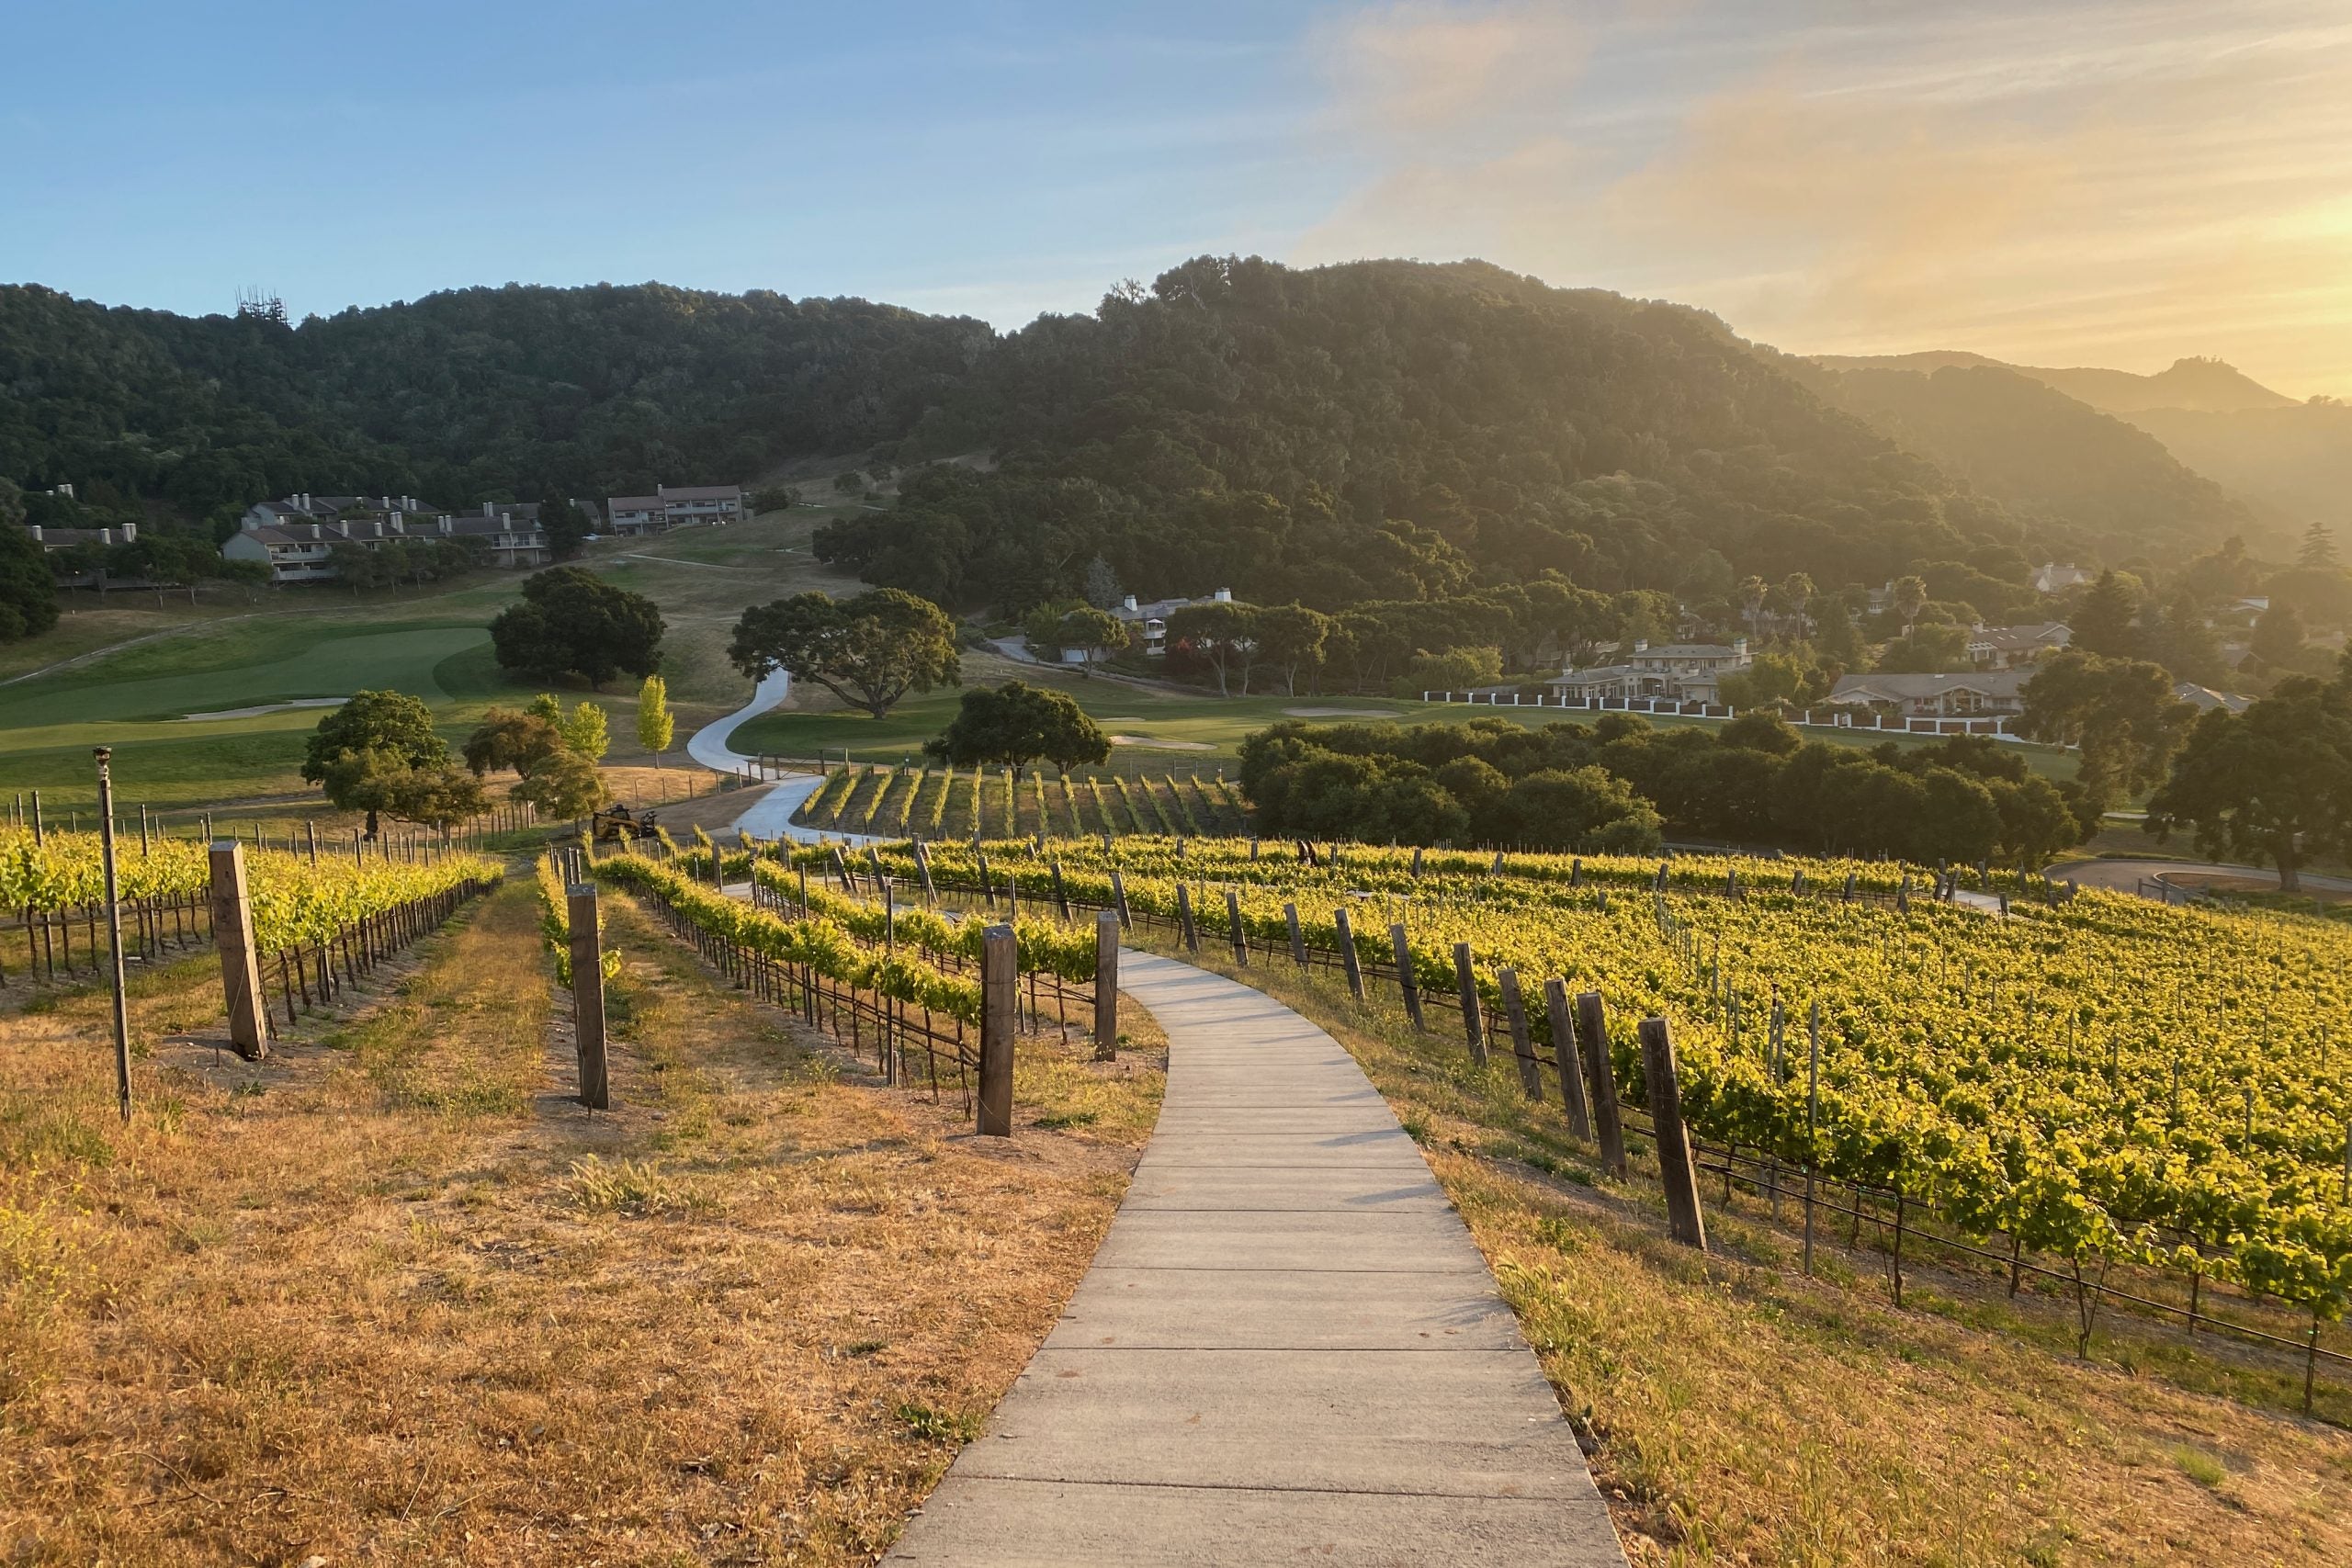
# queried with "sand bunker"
point(265, 707)
point(1157, 745)
point(1339, 713)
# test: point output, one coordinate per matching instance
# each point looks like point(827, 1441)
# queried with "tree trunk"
point(2289, 866)
point(371, 822)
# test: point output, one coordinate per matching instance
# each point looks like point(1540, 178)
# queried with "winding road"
point(769, 816)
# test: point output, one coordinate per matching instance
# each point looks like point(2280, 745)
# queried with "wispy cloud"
point(2117, 182)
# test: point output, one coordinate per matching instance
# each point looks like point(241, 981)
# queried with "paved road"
point(709, 745)
point(1288, 1349)
point(2125, 875)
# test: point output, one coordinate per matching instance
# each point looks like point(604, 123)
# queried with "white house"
point(1676, 671)
point(1979, 694)
point(2009, 648)
point(2052, 577)
point(1148, 624)
point(296, 538)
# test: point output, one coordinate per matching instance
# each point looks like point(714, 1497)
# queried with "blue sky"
point(2114, 182)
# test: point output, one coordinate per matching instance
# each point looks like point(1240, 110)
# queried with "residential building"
point(676, 506)
point(1979, 694)
point(2012, 648)
point(53, 539)
point(1148, 624)
point(2052, 577)
point(1676, 671)
point(296, 538)
point(2204, 698)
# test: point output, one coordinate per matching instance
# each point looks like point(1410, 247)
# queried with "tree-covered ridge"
point(521, 392)
point(2096, 487)
point(1385, 430)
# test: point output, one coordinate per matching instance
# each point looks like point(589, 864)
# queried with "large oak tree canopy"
point(571, 622)
point(869, 650)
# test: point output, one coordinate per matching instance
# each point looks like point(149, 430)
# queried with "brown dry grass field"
point(390, 1297)
point(1739, 1412)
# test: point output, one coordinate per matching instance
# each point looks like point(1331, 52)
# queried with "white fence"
point(1817, 718)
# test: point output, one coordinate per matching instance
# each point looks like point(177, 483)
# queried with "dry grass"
point(1739, 1412)
point(390, 1297)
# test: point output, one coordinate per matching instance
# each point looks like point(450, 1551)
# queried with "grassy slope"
point(1739, 1412)
point(320, 643)
point(390, 1293)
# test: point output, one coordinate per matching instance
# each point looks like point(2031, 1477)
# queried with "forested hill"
point(1387, 430)
point(2096, 488)
point(514, 392)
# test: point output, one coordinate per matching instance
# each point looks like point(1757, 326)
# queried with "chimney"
point(486, 510)
point(34, 529)
point(444, 523)
point(1131, 602)
point(317, 532)
point(379, 530)
point(1641, 645)
point(1224, 596)
point(1739, 646)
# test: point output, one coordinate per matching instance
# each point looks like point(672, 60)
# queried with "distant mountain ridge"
point(2205, 386)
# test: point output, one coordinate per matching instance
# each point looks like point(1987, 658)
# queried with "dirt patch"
point(396, 1295)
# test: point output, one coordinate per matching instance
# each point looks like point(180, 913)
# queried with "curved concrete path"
point(709, 745)
point(1288, 1347)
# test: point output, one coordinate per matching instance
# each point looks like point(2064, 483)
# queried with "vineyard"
point(990, 803)
point(318, 921)
point(2094, 1078)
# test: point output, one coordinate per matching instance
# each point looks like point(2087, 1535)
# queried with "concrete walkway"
point(709, 745)
point(1288, 1347)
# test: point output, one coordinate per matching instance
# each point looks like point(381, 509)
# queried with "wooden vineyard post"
point(1000, 994)
point(1466, 982)
point(114, 943)
point(1593, 1031)
point(1106, 985)
point(1674, 1163)
point(1297, 937)
point(588, 994)
point(1233, 925)
point(1531, 1074)
point(1406, 981)
point(1184, 919)
point(233, 933)
point(923, 869)
point(1813, 1127)
point(1119, 896)
point(1564, 1053)
point(1349, 958)
point(1061, 894)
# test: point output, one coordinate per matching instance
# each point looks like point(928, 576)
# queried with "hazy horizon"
point(2122, 184)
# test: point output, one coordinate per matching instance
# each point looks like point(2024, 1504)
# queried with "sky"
point(2062, 181)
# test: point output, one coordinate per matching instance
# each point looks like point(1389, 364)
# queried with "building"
point(2205, 699)
point(1979, 694)
point(2053, 577)
point(2012, 648)
point(54, 540)
point(296, 538)
point(1148, 624)
point(676, 506)
point(1675, 672)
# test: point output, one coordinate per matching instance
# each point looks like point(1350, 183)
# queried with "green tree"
point(1015, 725)
point(1455, 669)
point(1291, 638)
point(1223, 633)
point(2278, 637)
point(1099, 632)
point(655, 728)
point(586, 732)
point(2273, 783)
point(564, 785)
point(2103, 622)
point(2120, 712)
point(28, 591)
point(1582, 808)
point(573, 622)
point(377, 753)
point(2317, 552)
point(869, 650)
point(508, 739)
point(567, 528)
point(1834, 637)
point(1909, 597)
